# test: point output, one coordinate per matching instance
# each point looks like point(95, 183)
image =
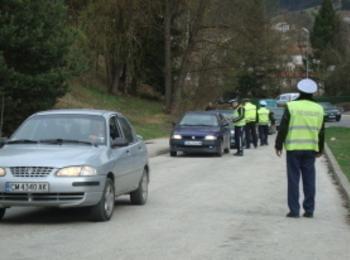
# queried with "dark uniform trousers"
point(301, 163)
point(250, 134)
point(263, 134)
point(239, 138)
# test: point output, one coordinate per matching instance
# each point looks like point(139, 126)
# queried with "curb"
point(160, 152)
point(338, 173)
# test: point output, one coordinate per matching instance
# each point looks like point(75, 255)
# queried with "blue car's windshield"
point(199, 120)
point(69, 128)
point(327, 105)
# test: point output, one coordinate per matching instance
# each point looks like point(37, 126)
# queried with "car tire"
point(173, 153)
point(140, 196)
point(2, 213)
point(220, 149)
point(338, 118)
point(103, 210)
point(227, 149)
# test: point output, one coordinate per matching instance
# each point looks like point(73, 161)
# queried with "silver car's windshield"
point(199, 120)
point(63, 128)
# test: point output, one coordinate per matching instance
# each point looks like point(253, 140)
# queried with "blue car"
point(201, 132)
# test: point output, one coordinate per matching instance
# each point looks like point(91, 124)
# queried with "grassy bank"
point(338, 140)
point(147, 116)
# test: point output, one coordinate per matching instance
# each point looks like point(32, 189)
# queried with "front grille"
point(192, 137)
point(31, 172)
point(41, 196)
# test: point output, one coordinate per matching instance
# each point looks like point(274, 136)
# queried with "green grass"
point(338, 140)
point(147, 116)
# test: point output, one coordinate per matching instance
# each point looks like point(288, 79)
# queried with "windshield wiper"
point(206, 125)
point(195, 125)
point(69, 141)
point(22, 141)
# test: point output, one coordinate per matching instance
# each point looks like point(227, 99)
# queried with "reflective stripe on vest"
point(306, 119)
point(250, 112)
point(236, 115)
point(264, 113)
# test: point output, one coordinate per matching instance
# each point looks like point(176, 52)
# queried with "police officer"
point(210, 107)
point(264, 119)
point(250, 128)
point(302, 133)
point(239, 123)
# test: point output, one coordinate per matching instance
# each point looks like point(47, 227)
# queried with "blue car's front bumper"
point(204, 147)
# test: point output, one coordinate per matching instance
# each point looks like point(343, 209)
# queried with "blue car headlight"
point(176, 137)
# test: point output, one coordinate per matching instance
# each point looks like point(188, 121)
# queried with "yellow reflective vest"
point(236, 115)
point(306, 119)
point(263, 114)
point(250, 112)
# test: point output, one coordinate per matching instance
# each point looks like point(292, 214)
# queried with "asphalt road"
point(344, 122)
point(199, 208)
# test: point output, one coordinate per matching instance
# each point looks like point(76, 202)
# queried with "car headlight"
point(232, 132)
point(210, 137)
point(77, 171)
point(177, 137)
point(2, 172)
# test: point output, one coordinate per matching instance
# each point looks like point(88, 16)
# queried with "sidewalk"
point(156, 147)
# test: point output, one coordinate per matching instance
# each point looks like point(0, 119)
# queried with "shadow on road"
point(54, 216)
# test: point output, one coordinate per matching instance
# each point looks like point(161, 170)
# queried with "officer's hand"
point(279, 153)
point(318, 155)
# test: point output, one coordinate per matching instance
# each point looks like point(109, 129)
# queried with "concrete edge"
point(338, 172)
point(159, 152)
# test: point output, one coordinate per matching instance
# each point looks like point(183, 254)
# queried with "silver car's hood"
point(56, 156)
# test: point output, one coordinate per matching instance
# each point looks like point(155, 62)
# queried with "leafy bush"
point(35, 42)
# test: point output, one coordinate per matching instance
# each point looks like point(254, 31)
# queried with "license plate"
point(332, 116)
point(193, 143)
point(36, 187)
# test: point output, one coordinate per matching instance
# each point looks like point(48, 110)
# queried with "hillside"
point(298, 4)
point(294, 5)
point(147, 116)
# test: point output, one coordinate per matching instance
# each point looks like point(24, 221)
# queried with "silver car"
point(73, 158)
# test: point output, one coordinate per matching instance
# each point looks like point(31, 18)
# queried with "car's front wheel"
point(2, 213)
point(220, 149)
point(228, 146)
point(103, 211)
point(173, 153)
point(139, 196)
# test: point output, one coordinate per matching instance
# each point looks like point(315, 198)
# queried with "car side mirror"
point(119, 142)
point(173, 124)
point(225, 123)
point(3, 141)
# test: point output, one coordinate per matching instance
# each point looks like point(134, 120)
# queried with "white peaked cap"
point(307, 86)
point(263, 103)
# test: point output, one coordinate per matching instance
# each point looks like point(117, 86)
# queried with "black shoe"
point(308, 215)
point(238, 154)
point(292, 215)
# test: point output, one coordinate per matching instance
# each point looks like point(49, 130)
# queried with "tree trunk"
point(194, 28)
point(123, 80)
point(108, 74)
point(117, 70)
point(168, 63)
